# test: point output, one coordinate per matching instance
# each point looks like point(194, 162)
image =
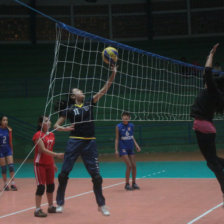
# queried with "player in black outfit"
point(81, 141)
point(208, 103)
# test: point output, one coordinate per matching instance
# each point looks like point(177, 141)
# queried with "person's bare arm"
point(210, 56)
point(58, 125)
point(116, 140)
point(105, 88)
point(138, 149)
point(42, 149)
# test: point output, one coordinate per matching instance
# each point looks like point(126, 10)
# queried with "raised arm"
point(210, 56)
point(209, 82)
point(105, 88)
point(58, 125)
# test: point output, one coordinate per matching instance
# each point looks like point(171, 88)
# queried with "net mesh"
point(150, 87)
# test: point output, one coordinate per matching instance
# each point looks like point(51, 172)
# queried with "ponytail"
point(39, 123)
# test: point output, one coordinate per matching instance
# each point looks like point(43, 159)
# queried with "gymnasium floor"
point(172, 192)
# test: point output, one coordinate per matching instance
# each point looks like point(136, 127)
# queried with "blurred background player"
point(6, 153)
point(208, 103)
point(124, 147)
point(44, 166)
point(82, 141)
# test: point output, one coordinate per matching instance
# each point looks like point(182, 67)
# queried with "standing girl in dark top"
point(208, 103)
point(81, 141)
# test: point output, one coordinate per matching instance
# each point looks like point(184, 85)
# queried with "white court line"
point(204, 214)
point(74, 196)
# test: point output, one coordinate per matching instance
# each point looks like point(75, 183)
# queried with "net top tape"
point(82, 33)
point(110, 42)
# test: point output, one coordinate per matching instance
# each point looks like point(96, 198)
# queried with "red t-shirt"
point(48, 141)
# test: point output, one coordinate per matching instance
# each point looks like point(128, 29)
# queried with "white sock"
point(37, 209)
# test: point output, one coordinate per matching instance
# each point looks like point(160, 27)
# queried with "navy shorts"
point(5, 151)
point(123, 152)
point(87, 150)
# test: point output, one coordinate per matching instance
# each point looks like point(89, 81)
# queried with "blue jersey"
point(4, 137)
point(5, 149)
point(126, 136)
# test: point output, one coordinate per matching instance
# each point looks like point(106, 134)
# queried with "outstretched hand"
point(210, 56)
point(114, 67)
point(213, 50)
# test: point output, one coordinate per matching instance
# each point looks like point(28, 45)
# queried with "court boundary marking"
point(205, 213)
point(81, 194)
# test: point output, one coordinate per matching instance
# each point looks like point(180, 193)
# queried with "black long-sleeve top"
point(205, 104)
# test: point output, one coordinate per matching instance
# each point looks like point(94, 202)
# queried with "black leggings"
point(207, 146)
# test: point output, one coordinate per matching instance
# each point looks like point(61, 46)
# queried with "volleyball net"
point(149, 86)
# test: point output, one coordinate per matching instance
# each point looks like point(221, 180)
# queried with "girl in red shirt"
point(44, 166)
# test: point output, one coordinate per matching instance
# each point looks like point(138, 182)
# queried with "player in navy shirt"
point(81, 141)
point(124, 147)
point(6, 153)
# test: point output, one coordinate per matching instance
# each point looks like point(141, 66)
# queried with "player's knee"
point(133, 166)
point(3, 169)
point(63, 178)
point(97, 180)
point(11, 167)
point(129, 166)
point(50, 188)
point(40, 190)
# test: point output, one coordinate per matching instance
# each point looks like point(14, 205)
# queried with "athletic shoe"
point(135, 186)
point(103, 209)
point(51, 209)
point(40, 213)
point(59, 209)
point(13, 187)
point(127, 187)
point(6, 188)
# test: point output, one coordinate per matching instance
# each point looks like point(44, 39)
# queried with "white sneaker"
point(103, 209)
point(59, 209)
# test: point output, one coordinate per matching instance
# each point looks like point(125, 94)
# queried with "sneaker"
point(51, 209)
point(135, 186)
point(103, 209)
point(59, 209)
point(13, 187)
point(40, 213)
point(127, 187)
point(6, 188)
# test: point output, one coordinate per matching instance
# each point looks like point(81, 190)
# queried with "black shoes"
point(40, 214)
point(129, 188)
point(135, 186)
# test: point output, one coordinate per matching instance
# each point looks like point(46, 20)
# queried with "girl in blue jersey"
point(124, 147)
point(82, 141)
point(6, 152)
